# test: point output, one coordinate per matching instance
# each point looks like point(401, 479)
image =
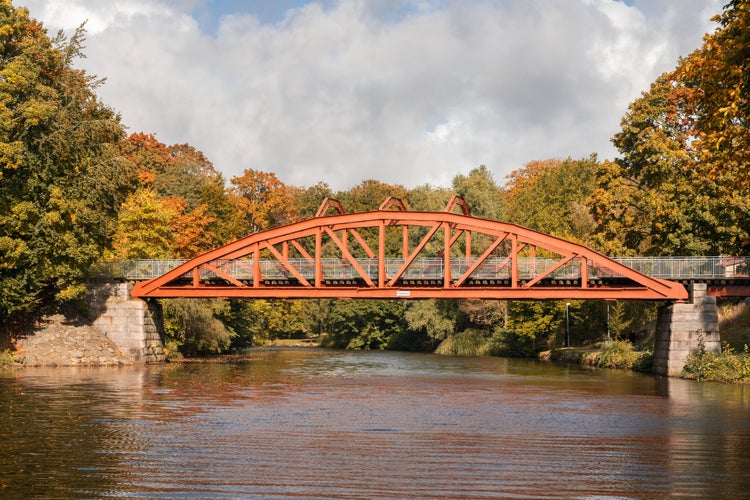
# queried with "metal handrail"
point(673, 268)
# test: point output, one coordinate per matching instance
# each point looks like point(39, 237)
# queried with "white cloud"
point(404, 92)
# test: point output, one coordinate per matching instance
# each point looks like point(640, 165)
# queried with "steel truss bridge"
point(396, 253)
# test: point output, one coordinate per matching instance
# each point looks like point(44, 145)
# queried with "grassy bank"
point(618, 354)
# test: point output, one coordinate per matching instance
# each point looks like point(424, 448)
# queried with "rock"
point(61, 341)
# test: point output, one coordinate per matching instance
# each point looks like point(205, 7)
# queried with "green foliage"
point(261, 321)
point(193, 326)
point(550, 196)
point(512, 343)
point(145, 227)
point(726, 366)
point(364, 324)
point(531, 323)
point(618, 354)
point(470, 342)
point(308, 200)
point(481, 193)
point(368, 195)
point(431, 317)
point(61, 177)
point(7, 357)
point(618, 321)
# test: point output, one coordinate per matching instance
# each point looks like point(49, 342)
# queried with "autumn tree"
point(681, 185)
point(264, 200)
point(61, 175)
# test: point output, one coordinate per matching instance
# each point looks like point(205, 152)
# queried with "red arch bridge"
point(393, 252)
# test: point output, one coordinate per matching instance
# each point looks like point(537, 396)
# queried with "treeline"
point(76, 189)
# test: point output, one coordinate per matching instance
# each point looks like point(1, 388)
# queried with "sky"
point(408, 92)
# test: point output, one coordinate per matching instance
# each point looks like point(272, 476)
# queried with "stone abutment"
point(684, 328)
point(135, 326)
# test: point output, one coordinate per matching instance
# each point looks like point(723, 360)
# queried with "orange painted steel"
point(439, 255)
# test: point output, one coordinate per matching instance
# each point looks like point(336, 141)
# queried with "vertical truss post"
point(468, 244)
point(256, 267)
point(447, 256)
point(514, 261)
point(318, 258)
point(381, 254)
point(405, 241)
point(584, 272)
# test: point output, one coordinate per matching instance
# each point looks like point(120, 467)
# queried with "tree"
point(551, 196)
point(365, 324)
point(369, 195)
point(431, 317)
point(427, 198)
point(681, 185)
point(618, 322)
point(145, 227)
point(193, 327)
point(61, 174)
point(481, 193)
point(308, 200)
point(264, 200)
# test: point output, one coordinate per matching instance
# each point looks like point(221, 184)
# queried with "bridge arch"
point(393, 252)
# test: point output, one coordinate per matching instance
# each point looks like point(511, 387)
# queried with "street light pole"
point(567, 324)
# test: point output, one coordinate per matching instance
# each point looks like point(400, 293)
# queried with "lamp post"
point(567, 324)
point(609, 338)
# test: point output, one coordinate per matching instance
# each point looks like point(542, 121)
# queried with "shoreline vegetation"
point(732, 365)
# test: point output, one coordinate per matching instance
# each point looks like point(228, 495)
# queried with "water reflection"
point(317, 423)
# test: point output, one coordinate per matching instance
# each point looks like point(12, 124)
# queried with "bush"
point(510, 343)
point(726, 367)
point(469, 342)
point(7, 357)
point(621, 354)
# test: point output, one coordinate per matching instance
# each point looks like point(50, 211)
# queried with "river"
point(314, 423)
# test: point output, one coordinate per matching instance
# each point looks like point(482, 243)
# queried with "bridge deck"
point(724, 275)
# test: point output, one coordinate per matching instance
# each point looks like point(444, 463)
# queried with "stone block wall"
point(133, 325)
point(681, 327)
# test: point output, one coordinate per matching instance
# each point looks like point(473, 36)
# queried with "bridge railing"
point(689, 267)
point(657, 267)
point(138, 269)
point(698, 268)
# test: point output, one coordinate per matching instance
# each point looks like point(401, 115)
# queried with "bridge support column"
point(135, 327)
point(681, 327)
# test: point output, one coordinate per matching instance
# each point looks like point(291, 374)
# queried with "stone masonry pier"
point(133, 325)
point(682, 327)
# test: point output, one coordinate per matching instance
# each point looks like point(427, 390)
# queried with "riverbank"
point(59, 340)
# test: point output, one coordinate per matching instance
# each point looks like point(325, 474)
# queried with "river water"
point(312, 423)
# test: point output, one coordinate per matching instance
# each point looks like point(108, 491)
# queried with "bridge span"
point(396, 253)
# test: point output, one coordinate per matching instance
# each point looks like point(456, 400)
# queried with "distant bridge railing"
point(671, 268)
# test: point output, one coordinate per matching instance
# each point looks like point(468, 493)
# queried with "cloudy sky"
point(404, 91)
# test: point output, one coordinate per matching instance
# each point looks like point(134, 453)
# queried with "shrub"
point(7, 357)
point(469, 342)
point(726, 367)
point(618, 354)
point(511, 343)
